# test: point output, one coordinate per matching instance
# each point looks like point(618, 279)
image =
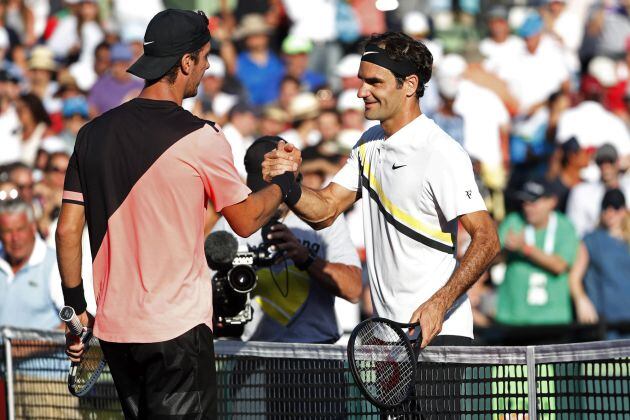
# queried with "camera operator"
point(295, 296)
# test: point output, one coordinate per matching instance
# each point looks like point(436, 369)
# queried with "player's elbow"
point(243, 229)
point(67, 232)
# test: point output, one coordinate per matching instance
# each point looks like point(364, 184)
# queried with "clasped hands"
point(285, 158)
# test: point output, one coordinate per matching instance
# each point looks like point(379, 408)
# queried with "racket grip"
point(68, 316)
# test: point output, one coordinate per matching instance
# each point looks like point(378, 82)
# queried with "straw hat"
point(304, 106)
point(42, 58)
point(252, 24)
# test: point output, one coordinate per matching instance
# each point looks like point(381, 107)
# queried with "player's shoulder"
point(373, 133)
point(443, 146)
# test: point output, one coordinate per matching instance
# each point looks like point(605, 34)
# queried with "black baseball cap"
point(170, 34)
point(254, 157)
point(614, 198)
point(534, 189)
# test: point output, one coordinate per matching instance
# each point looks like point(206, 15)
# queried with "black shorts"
point(174, 379)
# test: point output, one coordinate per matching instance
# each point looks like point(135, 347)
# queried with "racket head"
point(383, 361)
point(83, 375)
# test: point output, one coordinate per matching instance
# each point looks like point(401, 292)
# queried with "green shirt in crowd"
point(529, 294)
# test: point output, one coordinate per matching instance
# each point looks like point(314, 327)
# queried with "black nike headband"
point(376, 55)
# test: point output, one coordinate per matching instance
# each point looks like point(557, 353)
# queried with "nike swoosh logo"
point(394, 167)
point(369, 52)
point(150, 42)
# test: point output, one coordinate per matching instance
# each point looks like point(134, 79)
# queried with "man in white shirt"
point(584, 203)
point(417, 184)
point(501, 45)
point(239, 133)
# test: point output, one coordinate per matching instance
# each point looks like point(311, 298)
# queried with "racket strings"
point(385, 363)
point(89, 364)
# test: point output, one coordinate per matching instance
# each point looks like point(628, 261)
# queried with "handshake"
point(280, 166)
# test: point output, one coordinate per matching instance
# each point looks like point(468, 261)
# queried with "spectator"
point(239, 132)
point(296, 51)
point(29, 277)
point(212, 102)
point(582, 205)
point(274, 121)
point(448, 78)
point(565, 25)
point(50, 190)
point(329, 125)
point(35, 122)
point(592, 125)
point(22, 176)
point(599, 278)
point(315, 20)
point(500, 46)
point(289, 89)
point(10, 142)
point(540, 247)
point(42, 70)
point(574, 159)
point(258, 68)
point(347, 71)
point(294, 298)
point(350, 108)
point(486, 124)
point(75, 113)
point(19, 17)
point(538, 71)
point(304, 110)
point(610, 26)
point(116, 86)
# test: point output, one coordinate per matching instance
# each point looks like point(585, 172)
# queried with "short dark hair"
point(399, 46)
point(171, 74)
point(36, 108)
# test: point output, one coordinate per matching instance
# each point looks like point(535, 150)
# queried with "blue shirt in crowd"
point(262, 82)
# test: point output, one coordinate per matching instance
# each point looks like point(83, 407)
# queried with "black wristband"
point(306, 264)
point(74, 297)
point(291, 190)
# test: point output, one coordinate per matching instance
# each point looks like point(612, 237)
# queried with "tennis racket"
point(84, 374)
point(383, 361)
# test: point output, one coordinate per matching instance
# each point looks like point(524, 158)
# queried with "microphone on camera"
point(220, 247)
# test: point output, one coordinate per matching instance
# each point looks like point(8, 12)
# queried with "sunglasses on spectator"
point(57, 169)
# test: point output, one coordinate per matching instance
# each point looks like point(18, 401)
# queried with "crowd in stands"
point(537, 93)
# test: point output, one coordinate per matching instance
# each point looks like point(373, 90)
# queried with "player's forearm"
point(483, 248)
point(315, 209)
point(250, 215)
point(69, 254)
point(342, 280)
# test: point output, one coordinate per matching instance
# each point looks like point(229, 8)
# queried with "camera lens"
point(242, 278)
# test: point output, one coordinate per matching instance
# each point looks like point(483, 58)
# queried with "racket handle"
point(68, 316)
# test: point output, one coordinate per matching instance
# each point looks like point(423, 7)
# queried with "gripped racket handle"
point(68, 316)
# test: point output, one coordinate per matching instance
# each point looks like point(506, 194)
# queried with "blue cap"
point(121, 52)
point(76, 105)
point(532, 25)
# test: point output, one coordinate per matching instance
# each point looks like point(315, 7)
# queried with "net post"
point(7, 335)
point(531, 382)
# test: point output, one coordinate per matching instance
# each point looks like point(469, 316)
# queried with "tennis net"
point(271, 380)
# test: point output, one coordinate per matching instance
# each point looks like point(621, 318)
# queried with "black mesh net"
point(258, 381)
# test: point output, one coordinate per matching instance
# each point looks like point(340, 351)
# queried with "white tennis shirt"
point(414, 185)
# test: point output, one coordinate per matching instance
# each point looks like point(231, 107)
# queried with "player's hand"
point(285, 158)
point(430, 315)
point(285, 240)
point(74, 346)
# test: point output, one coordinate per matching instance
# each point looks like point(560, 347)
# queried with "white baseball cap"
point(604, 70)
point(348, 100)
point(449, 74)
point(348, 66)
point(217, 67)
